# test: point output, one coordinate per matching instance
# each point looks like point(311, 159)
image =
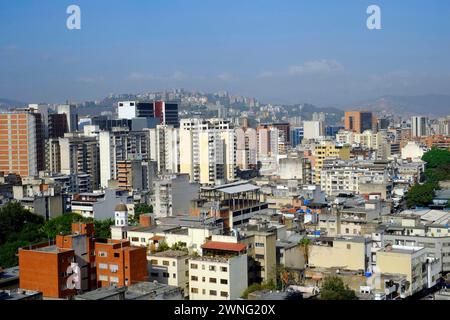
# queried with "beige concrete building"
point(411, 262)
point(170, 267)
point(326, 150)
point(343, 253)
point(261, 248)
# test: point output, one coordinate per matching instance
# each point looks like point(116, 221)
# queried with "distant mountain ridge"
point(8, 103)
point(426, 105)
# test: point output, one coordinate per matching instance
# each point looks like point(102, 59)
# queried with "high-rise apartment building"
point(52, 155)
point(164, 148)
point(313, 130)
point(326, 150)
point(207, 150)
point(271, 141)
point(246, 148)
point(80, 155)
point(360, 121)
point(165, 112)
point(120, 145)
point(71, 116)
point(19, 143)
point(419, 126)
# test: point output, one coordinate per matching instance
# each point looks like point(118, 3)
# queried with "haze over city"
point(277, 51)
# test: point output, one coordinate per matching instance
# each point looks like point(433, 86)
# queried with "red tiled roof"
point(216, 245)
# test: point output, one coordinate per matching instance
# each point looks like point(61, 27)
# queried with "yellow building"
point(326, 150)
point(407, 261)
point(342, 253)
point(261, 247)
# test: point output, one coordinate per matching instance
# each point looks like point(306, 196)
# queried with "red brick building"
point(44, 268)
point(120, 264)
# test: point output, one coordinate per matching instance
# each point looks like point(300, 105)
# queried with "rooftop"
point(170, 254)
point(225, 246)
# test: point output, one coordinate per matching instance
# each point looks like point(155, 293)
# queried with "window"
point(103, 278)
point(153, 261)
point(203, 279)
point(103, 266)
point(114, 279)
point(259, 256)
point(165, 274)
point(212, 280)
point(173, 263)
point(223, 294)
point(204, 291)
point(113, 268)
point(194, 290)
point(116, 255)
point(154, 274)
point(142, 239)
point(166, 263)
point(174, 275)
point(223, 281)
point(347, 230)
point(259, 245)
point(186, 273)
point(194, 266)
point(194, 278)
point(212, 268)
point(134, 239)
point(212, 292)
point(223, 269)
point(102, 254)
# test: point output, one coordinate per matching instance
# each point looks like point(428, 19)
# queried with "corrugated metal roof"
point(240, 188)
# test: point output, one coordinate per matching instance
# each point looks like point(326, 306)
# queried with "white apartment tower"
point(120, 145)
point(164, 148)
point(207, 150)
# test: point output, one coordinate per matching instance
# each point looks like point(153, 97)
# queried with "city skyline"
point(288, 52)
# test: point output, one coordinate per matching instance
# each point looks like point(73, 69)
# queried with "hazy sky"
point(278, 51)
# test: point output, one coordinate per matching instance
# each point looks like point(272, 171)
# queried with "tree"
point(179, 246)
point(18, 227)
point(13, 219)
point(333, 288)
point(61, 224)
point(305, 246)
point(270, 285)
point(162, 246)
point(438, 165)
point(420, 195)
point(102, 229)
point(141, 208)
point(436, 158)
point(8, 253)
